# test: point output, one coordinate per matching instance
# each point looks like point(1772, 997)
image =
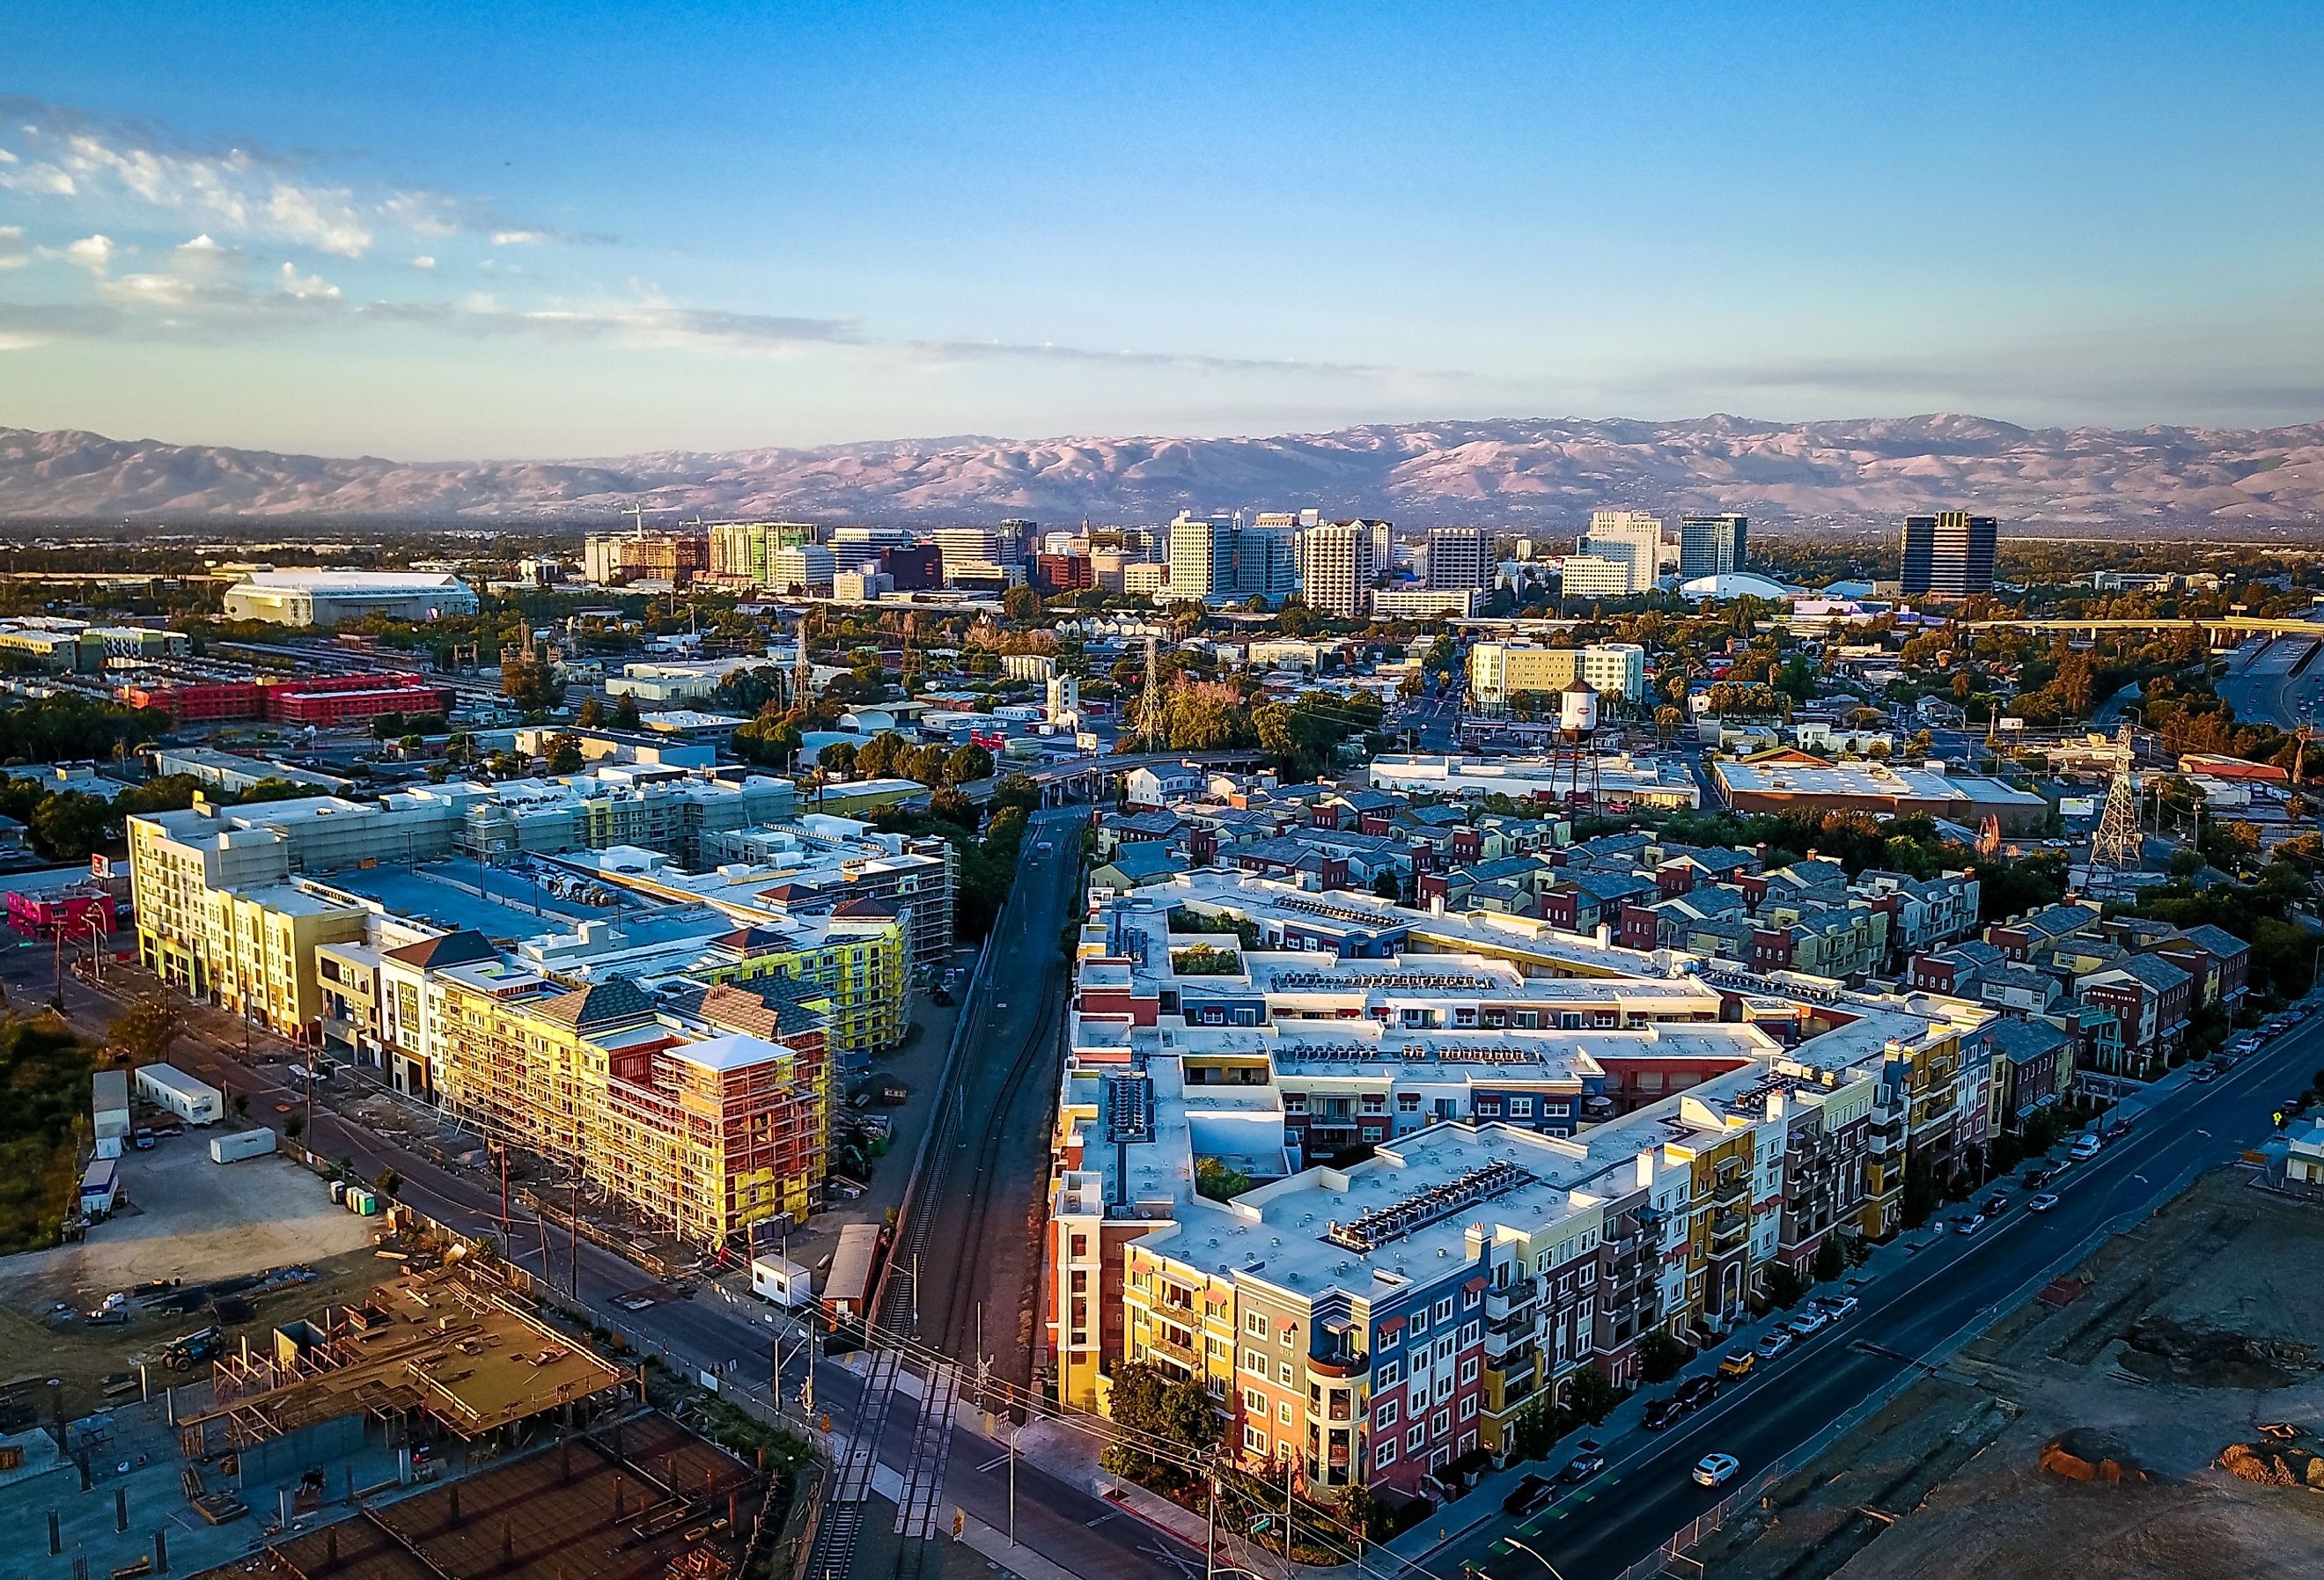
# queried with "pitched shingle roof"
point(465, 947)
point(617, 998)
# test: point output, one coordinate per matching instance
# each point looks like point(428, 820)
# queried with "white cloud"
point(105, 164)
point(92, 252)
point(423, 262)
point(307, 287)
point(13, 253)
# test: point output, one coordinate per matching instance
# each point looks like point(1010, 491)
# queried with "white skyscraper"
point(1630, 537)
point(1336, 569)
point(1459, 558)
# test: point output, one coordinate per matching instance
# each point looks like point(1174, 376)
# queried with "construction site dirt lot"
point(2202, 1329)
point(203, 1243)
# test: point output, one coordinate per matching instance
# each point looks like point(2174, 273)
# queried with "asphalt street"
point(1913, 1318)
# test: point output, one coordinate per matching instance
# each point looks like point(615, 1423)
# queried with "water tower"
point(1575, 755)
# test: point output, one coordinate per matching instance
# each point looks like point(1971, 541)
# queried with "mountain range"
point(1517, 471)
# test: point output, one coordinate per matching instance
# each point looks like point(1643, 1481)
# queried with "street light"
point(1536, 1557)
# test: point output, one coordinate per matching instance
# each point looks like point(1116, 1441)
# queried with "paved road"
point(1916, 1313)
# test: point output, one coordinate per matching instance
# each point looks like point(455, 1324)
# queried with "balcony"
point(1514, 1300)
point(1729, 1230)
point(1731, 1193)
point(1167, 1349)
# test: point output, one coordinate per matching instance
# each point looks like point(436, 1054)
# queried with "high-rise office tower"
point(1459, 558)
point(1628, 537)
point(1225, 559)
point(1336, 569)
point(1949, 554)
point(1712, 545)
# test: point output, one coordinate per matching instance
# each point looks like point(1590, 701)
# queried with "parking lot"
point(182, 1218)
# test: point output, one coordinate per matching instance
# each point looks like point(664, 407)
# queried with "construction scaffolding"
point(437, 1344)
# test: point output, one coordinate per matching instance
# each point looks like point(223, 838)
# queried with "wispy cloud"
point(106, 165)
point(14, 252)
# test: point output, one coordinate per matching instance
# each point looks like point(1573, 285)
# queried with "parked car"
point(1738, 1363)
point(2035, 1179)
point(1774, 1345)
point(1661, 1413)
point(1971, 1225)
point(1697, 1391)
point(1583, 1466)
point(1715, 1469)
point(2041, 1203)
point(1993, 1204)
point(1807, 1323)
point(1530, 1495)
point(1838, 1305)
point(2086, 1147)
point(2206, 1074)
point(2117, 1129)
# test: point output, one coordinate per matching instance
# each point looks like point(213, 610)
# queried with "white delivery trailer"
point(241, 1144)
point(167, 1087)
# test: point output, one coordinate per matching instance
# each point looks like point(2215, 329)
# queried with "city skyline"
point(495, 241)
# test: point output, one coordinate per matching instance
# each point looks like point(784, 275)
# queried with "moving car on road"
point(1714, 1470)
point(2041, 1203)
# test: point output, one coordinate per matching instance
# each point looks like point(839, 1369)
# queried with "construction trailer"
point(241, 1144)
point(108, 1104)
point(167, 1087)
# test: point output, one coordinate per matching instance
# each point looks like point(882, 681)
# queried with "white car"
point(1715, 1469)
point(2086, 1147)
point(1809, 1321)
point(2041, 1203)
point(1970, 1224)
point(1836, 1306)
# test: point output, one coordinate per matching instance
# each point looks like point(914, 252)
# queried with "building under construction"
point(641, 1498)
point(434, 1357)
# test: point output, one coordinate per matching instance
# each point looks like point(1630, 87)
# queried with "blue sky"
point(705, 226)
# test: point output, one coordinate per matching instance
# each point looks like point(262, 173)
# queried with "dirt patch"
point(2160, 1350)
point(2086, 1439)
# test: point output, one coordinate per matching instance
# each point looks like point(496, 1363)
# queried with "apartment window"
point(1407, 1102)
point(1252, 1360)
point(1471, 1333)
point(1520, 1108)
point(1386, 1375)
point(1371, 1132)
point(1283, 1336)
point(1468, 1369)
point(1444, 1309)
point(1384, 1456)
point(1283, 1374)
point(1254, 1402)
point(1255, 1323)
point(1254, 1439)
point(1081, 1247)
point(1283, 1412)
point(1469, 1406)
point(1416, 1439)
point(1488, 1108)
point(1295, 1103)
point(1471, 1299)
point(1420, 1322)
point(1386, 1415)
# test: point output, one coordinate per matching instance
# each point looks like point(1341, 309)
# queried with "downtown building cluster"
point(531, 957)
point(1471, 1154)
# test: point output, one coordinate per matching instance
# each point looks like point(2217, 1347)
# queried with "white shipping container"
point(241, 1144)
point(782, 1281)
point(167, 1087)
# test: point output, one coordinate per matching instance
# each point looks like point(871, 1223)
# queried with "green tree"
point(593, 713)
point(1660, 1357)
point(1590, 1395)
point(1831, 1259)
point(565, 753)
point(1016, 789)
point(530, 682)
point(966, 765)
point(1021, 605)
point(1147, 1403)
point(625, 712)
point(1219, 1181)
point(146, 1031)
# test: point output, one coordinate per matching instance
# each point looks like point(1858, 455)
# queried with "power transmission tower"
point(2117, 843)
point(802, 670)
point(1152, 713)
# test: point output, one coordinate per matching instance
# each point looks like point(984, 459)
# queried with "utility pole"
point(1012, 1484)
